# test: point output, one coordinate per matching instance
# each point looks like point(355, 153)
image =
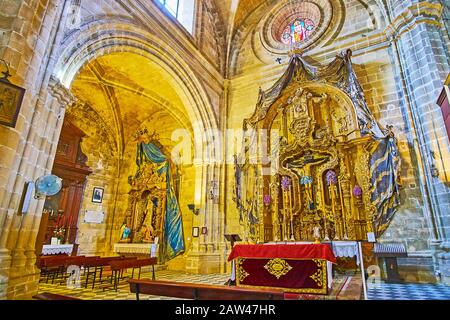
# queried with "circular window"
point(298, 31)
point(301, 24)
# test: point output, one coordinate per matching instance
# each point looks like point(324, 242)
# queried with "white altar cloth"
point(346, 249)
point(341, 249)
point(137, 248)
point(48, 250)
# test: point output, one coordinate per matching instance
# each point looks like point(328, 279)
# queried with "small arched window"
point(298, 31)
point(182, 10)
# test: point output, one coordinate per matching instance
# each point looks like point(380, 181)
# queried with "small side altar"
point(296, 268)
point(137, 249)
point(152, 224)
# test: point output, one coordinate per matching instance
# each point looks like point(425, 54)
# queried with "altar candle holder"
point(285, 209)
point(286, 187)
point(291, 213)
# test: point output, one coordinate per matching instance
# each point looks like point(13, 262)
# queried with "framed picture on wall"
point(97, 195)
point(11, 97)
point(195, 232)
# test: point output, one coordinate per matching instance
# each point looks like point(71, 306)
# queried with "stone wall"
point(103, 160)
point(28, 149)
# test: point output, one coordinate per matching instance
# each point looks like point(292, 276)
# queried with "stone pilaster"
point(204, 256)
point(37, 161)
point(417, 32)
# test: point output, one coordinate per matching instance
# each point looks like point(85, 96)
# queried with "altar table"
point(293, 268)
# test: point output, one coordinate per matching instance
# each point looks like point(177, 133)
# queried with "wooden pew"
point(52, 296)
point(55, 266)
point(99, 267)
point(118, 266)
point(201, 291)
point(40, 259)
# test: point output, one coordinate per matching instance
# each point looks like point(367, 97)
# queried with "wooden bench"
point(55, 266)
point(201, 291)
point(99, 267)
point(52, 296)
point(118, 266)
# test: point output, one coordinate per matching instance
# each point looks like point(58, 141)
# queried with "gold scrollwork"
point(319, 276)
point(242, 274)
point(278, 267)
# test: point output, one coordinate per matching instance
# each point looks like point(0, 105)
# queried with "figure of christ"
point(308, 159)
point(303, 167)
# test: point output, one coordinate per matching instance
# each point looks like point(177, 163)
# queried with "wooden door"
point(70, 166)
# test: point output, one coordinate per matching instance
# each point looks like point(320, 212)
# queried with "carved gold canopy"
point(325, 173)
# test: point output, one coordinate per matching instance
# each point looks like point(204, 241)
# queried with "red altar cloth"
point(283, 251)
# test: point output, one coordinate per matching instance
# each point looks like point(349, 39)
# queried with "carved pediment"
point(148, 177)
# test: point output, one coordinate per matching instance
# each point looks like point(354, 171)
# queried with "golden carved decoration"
point(325, 144)
point(278, 267)
point(320, 276)
point(242, 274)
point(317, 277)
point(327, 136)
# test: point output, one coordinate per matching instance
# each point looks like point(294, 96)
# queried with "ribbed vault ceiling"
point(127, 90)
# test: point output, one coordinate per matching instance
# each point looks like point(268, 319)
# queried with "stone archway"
point(93, 42)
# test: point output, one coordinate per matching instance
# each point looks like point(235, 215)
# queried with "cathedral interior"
point(299, 146)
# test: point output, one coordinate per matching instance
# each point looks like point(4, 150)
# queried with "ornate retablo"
point(331, 172)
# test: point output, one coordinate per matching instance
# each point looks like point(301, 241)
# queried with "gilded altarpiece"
point(146, 204)
point(319, 177)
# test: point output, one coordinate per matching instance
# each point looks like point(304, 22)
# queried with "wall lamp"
point(193, 209)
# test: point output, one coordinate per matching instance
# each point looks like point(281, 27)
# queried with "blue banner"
point(173, 242)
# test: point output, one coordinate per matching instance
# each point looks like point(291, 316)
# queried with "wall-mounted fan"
point(47, 186)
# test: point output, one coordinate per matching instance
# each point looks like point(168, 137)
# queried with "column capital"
point(60, 92)
point(415, 14)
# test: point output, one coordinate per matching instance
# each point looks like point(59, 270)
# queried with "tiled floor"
point(345, 288)
point(123, 292)
point(385, 291)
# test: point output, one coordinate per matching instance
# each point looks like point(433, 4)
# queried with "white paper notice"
point(371, 237)
point(94, 217)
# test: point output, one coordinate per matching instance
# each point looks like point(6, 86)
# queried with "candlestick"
point(292, 215)
point(67, 235)
point(58, 220)
point(284, 216)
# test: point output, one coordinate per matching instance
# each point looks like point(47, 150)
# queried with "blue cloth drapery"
point(173, 239)
point(385, 194)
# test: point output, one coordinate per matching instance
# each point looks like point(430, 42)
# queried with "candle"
point(291, 213)
point(58, 220)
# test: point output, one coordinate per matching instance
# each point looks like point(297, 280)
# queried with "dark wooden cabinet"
point(70, 166)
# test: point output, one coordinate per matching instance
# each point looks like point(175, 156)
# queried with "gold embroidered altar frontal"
point(290, 275)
